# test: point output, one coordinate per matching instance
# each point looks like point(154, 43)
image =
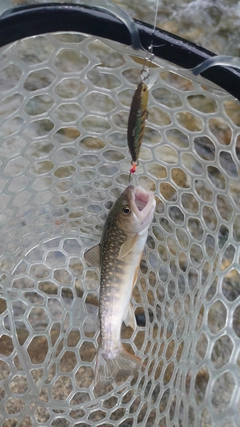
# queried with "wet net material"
point(65, 101)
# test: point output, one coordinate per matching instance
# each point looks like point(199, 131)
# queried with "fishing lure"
point(136, 122)
point(138, 110)
point(139, 113)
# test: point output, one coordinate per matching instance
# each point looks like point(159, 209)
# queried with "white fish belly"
point(116, 294)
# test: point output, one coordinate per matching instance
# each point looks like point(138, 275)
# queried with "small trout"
point(136, 121)
point(118, 255)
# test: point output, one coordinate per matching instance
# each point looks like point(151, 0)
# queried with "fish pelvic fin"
point(130, 319)
point(119, 363)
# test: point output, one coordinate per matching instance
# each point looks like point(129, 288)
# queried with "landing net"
point(65, 100)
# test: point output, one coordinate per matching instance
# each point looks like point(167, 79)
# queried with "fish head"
point(135, 208)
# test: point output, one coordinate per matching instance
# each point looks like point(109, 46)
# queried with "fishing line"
point(150, 55)
point(155, 18)
point(138, 110)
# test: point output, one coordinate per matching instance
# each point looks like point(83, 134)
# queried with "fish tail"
point(113, 365)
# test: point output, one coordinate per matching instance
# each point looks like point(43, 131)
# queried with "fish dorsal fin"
point(92, 256)
point(126, 247)
point(130, 319)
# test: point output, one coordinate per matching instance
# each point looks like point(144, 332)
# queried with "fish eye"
point(126, 210)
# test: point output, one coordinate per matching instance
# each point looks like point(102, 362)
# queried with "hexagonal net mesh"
point(64, 159)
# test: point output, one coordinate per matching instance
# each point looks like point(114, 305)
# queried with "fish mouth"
point(143, 204)
point(141, 199)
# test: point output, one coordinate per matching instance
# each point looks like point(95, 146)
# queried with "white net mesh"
point(64, 159)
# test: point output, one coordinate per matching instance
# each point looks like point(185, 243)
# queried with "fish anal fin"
point(130, 319)
point(127, 247)
point(109, 366)
point(92, 256)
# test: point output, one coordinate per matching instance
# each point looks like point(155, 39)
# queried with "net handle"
point(27, 21)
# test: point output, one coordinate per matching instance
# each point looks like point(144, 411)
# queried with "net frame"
point(37, 19)
point(217, 418)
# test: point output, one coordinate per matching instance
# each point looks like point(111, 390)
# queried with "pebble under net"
point(64, 160)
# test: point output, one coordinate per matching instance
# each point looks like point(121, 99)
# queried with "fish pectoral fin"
point(136, 273)
point(92, 256)
point(130, 319)
point(126, 247)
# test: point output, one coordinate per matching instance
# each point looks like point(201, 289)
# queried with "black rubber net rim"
point(32, 20)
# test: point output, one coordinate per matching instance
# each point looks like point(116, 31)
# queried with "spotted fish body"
point(136, 121)
point(119, 254)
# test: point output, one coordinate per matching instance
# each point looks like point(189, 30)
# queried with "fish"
point(118, 255)
point(136, 122)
